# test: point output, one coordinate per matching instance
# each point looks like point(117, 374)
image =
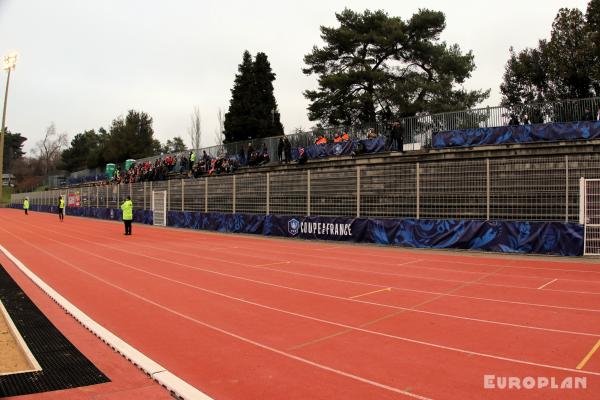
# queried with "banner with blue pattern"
point(514, 134)
point(555, 238)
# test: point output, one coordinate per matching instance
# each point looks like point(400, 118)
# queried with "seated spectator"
point(265, 157)
point(371, 134)
point(302, 156)
point(253, 159)
point(525, 119)
point(196, 170)
point(321, 140)
point(360, 149)
point(337, 138)
point(345, 137)
point(183, 163)
point(514, 120)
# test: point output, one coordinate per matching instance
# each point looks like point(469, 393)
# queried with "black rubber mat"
point(63, 366)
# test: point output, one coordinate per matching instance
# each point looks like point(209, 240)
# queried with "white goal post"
point(159, 207)
point(589, 215)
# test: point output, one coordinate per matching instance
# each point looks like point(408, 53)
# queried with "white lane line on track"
point(271, 264)
point(163, 376)
point(546, 284)
point(427, 278)
point(414, 341)
point(156, 371)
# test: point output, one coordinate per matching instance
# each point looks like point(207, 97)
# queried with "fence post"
point(144, 195)
point(97, 197)
point(182, 195)
point(233, 194)
point(582, 200)
point(151, 197)
point(106, 199)
point(418, 190)
point(131, 191)
point(205, 195)
point(566, 188)
point(357, 191)
point(268, 193)
point(168, 195)
point(308, 192)
point(487, 189)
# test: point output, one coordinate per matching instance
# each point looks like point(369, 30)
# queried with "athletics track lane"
point(283, 318)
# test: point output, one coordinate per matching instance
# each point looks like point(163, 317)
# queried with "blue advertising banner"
point(498, 236)
point(235, 223)
point(343, 148)
point(555, 238)
point(321, 228)
point(514, 134)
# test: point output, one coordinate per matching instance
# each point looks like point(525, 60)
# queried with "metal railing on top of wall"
point(418, 130)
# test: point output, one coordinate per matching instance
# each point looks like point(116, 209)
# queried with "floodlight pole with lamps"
point(9, 65)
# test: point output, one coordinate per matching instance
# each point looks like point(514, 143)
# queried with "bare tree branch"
point(195, 130)
point(49, 149)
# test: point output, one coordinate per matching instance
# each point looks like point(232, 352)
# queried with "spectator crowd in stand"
point(190, 165)
point(186, 165)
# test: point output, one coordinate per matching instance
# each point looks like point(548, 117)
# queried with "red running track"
point(244, 317)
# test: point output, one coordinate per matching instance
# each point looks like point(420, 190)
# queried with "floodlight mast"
point(8, 64)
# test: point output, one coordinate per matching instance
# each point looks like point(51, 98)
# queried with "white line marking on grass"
point(165, 378)
point(546, 284)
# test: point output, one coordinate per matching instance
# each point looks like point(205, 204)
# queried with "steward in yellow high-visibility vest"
point(61, 208)
point(26, 205)
point(127, 208)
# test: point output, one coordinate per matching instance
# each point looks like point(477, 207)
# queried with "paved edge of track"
point(165, 378)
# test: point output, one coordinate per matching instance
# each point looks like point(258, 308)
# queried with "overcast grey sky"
point(83, 63)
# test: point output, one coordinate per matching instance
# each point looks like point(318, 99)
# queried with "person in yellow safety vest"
point(26, 205)
point(127, 208)
point(193, 157)
point(61, 208)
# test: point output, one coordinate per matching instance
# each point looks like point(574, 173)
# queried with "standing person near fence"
point(61, 208)
point(397, 137)
point(127, 208)
point(280, 150)
point(26, 205)
point(287, 148)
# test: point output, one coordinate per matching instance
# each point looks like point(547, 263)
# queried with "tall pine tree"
point(252, 109)
point(265, 108)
